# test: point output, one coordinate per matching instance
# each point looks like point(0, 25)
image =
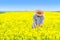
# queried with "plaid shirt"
point(38, 19)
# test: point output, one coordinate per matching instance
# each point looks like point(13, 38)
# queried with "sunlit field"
point(18, 26)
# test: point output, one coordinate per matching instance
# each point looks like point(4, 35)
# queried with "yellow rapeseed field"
point(18, 26)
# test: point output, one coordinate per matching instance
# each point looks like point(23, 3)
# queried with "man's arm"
point(34, 20)
point(42, 21)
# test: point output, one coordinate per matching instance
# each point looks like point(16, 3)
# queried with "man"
point(38, 19)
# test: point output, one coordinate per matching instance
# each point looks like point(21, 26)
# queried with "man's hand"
point(41, 25)
point(34, 25)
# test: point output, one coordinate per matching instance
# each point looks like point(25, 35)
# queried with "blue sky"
point(18, 5)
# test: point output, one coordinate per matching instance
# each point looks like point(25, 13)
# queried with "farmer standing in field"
point(38, 18)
